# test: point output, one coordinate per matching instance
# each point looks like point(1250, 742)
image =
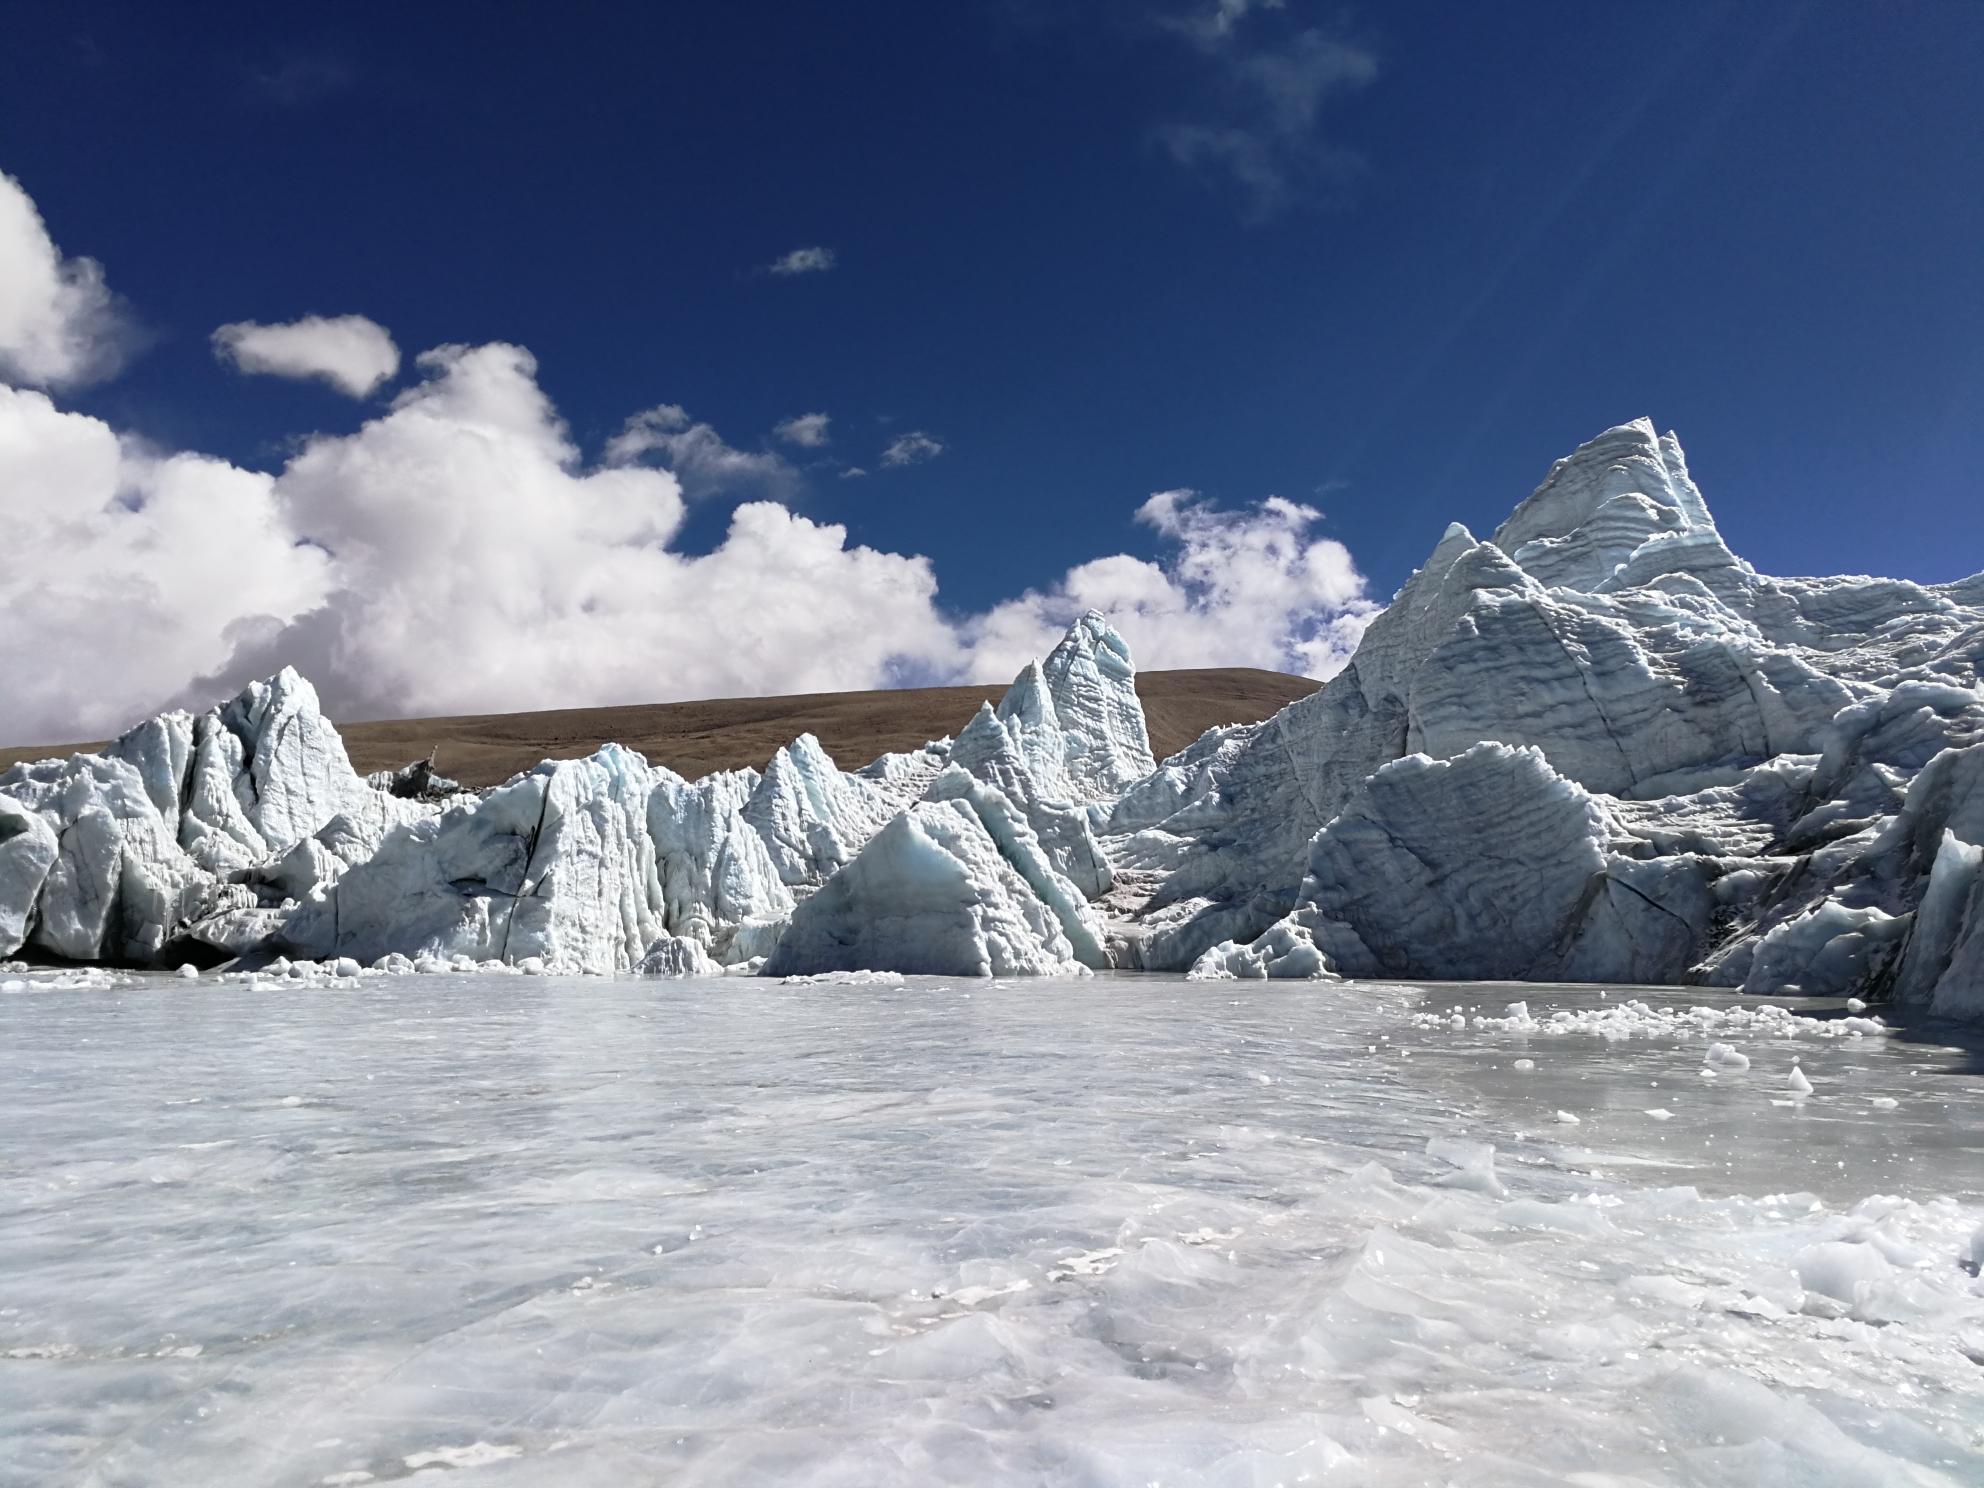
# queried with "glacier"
point(1595, 746)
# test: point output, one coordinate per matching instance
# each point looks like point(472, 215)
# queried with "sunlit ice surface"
point(1117, 1231)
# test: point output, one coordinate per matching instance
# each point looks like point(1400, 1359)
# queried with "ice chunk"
point(931, 893)
point(1482, 866)
point(1473, 1166)
point(1286, 950)
point(1846, 1271)
point(27, 852)
point(678, 956)
point(557, 864)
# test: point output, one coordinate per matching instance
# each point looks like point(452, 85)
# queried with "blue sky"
point(1388, 261)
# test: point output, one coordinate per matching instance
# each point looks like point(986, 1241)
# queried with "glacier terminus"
point(1596, 746)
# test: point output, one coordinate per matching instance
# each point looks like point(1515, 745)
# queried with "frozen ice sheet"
point(1116, 1231)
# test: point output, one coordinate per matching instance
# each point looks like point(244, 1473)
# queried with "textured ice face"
point(202, 828)
point(1099, 1232)
point(812, 815)
point(1093, 684)
point(716, 870)
point(991, 749)
point(1750, 742)
point(27, 852)
point(1480, 866)
point(245, 830)
point(943, 888)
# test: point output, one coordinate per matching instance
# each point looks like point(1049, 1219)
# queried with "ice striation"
point(812, 815)
point(716, 871)
point(1597, 746)
point(992, 750)
point(557, 866)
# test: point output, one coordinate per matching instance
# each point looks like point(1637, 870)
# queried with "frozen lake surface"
point(1124, 1231)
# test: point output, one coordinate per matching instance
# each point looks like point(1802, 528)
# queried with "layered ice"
point(1096, 721)
point(1598, 746)
point(556, 866)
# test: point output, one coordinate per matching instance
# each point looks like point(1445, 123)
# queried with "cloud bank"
point(351, 353)
point(129, 570)
point(459, 552)
point(59, 324)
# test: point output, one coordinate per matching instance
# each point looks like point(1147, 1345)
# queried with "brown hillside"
point(727, 733)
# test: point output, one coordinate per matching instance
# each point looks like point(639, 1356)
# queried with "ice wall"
point(1597, 746)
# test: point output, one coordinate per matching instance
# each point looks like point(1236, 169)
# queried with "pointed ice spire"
point(812, 816)
point(1621, 511)
point(1631, 459)
point(1034, 725)
point(989, 749)
point(1090, 684)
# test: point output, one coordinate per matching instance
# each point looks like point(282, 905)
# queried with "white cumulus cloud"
point(457, 553)
point(481, 565)
point(351, 353)
point(128, 570)
point(1255, 587)
point(60, 326)
point(807, 430)
point(804, 261)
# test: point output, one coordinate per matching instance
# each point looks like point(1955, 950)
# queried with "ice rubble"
point(1598, 746)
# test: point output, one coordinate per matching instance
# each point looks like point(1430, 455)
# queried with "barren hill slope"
point(727, 733)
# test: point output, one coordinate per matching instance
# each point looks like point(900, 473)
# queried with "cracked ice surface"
point(1115, 1231)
